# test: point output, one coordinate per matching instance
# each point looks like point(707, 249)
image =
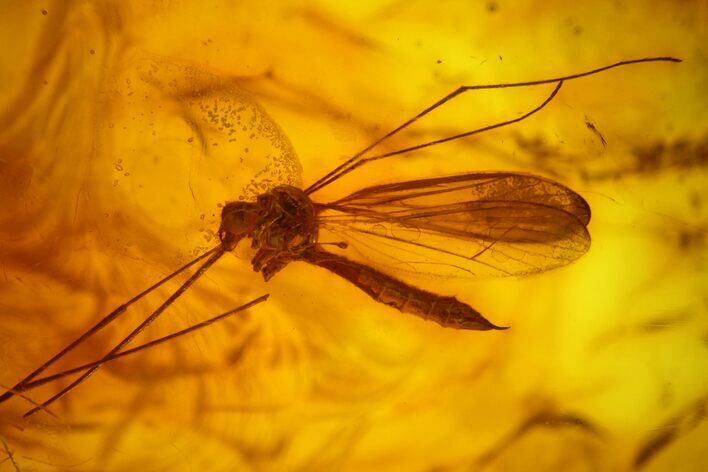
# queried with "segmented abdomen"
point(447, 311)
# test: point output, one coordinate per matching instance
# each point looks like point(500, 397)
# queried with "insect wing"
point(477, 224)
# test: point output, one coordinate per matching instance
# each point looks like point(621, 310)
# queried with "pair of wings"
point(477, 224)
point(470, 225)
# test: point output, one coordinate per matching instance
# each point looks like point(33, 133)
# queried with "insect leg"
point(200, 271)
point(361, 162)
point(29, 400)
point(344, 168)
point(105, 321)
point(164, 339)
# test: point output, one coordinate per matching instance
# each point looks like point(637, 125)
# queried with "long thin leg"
point(100, 325)
point(209, 262)
point(29, 400)
point(363, 161)
point(340, 170)
point(164, 339)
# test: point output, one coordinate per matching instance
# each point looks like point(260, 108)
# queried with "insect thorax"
point(281, 224)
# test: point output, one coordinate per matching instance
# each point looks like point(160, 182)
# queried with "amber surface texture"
point(125, 126)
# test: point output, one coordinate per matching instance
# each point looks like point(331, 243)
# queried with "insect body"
point(534, 223)
point(284, 228)
point(281, 224)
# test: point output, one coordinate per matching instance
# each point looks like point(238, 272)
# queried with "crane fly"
point(506, 223)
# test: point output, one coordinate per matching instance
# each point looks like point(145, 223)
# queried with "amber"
point(125, 126)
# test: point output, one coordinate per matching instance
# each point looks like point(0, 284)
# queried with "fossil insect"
point(503, 223)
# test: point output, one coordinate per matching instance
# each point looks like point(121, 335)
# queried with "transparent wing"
point(478, 224)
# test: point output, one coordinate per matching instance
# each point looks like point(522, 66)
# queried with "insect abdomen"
point(446, 311)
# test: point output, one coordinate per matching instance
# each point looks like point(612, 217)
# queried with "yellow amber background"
point(109, 182)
